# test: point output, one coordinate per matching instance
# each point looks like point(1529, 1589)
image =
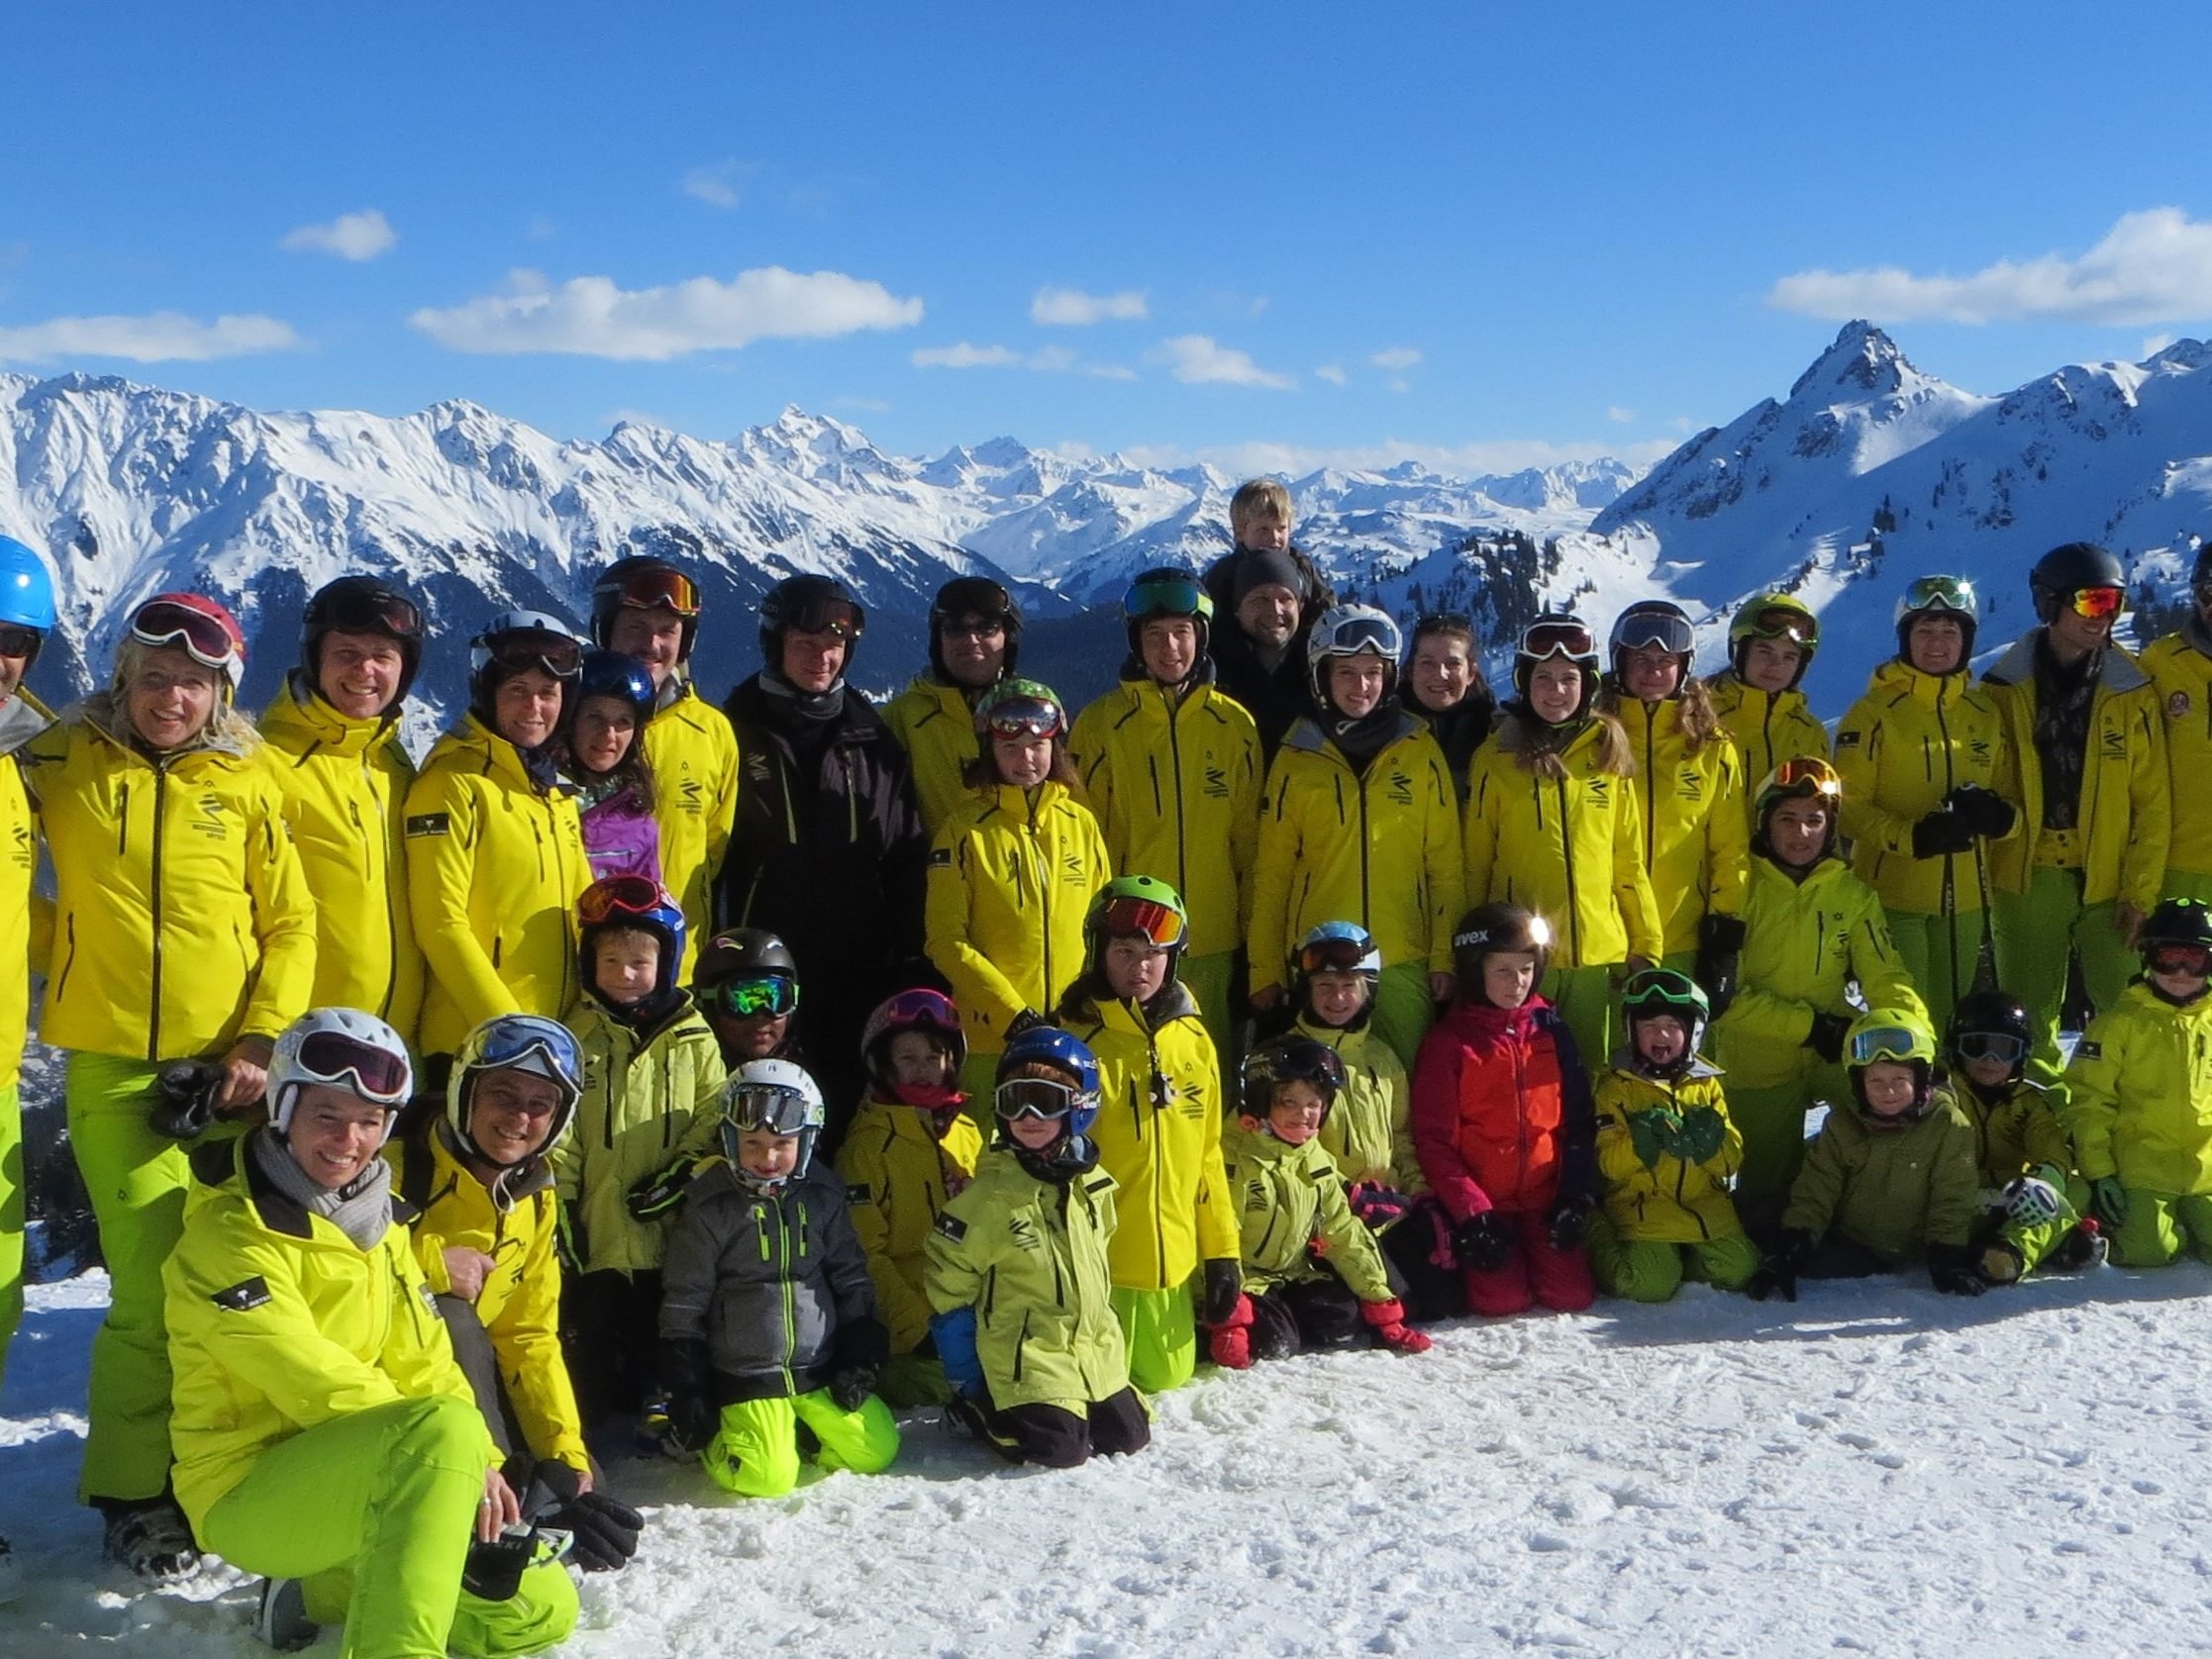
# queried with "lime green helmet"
point(1139, 905)
point(1900, 1034)
point(1775, 615)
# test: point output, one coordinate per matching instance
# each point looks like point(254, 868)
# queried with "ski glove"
point(1987, 814)
point(1942, 831)
point(850, 1386)
point(692, 1423)
point(185, 1096)
point(661, 1192)
point(1230, 1342)
point(1224, 1283)
point(1720, 946)
point(1950, 1269)
point(1701, 1136)
point(603, 1532)
point(1377, 1206)
point(1388, 1321)
point(1652, 1135)
point(1826, 1039)
point(1567, 1224)
point(1029, 1019)
point(2108, 1202)
point(1481, 1244)
point(1777, 1274)
point(955, 1336)
point(2030, 1200)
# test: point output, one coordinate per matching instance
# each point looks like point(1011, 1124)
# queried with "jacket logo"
point(2086, 1049)
point(429, 824)
point(695, 796)
point(940, 858)
point(1600, 792)
point(757, 769)
point(1217, 783)
point(1255, 1196)
point(1023, 1231)
point(1847, 740)
point(1978, 747)
point(26, 851)
point(856, 1192)
point(2115, 742)
point(2178, 705)
point(952, 1227)
point(1692, 784)
point(245, 1296)
point(1072, 867)
point(210, 822)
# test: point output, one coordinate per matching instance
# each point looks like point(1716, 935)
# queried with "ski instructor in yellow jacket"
point(183, 931)
point(325, 1436)
point(495, 850)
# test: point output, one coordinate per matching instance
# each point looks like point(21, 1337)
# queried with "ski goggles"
point(379, 610)
point(838, 617)
point(1166, 595)
point(1940, 593)
point(375, 1074)
point(770, 1110)
point(525, 1042)
point(1558, 637)
point(19, 641)
point(1339, 956)
point(2180, 958)
point(1654, 631)
point(515, 653)
point(1024, 717)
point(611, 898)
point(203, 637)
point(646, 590)
point(1356, 634)
point(1139, 917)
point(1885, 1042)
point(1659, 991)
point(2096, 604)
point(746, 999)
point(1779, 621)
point(1035, 1097)
point(970, 625)
point(2006, 1048)
point(1807, 776)
point(1306, 1062)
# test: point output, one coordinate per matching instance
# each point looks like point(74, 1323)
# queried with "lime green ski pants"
point(1651, 1270)
point(1929, 944)
point(2037, 931)
point(1584, 998)
point(1161, 1330)
point(1403, 1013)
point(374, 1513)
point(755, 1451)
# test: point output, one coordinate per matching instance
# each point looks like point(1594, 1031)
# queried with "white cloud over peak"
point(590, 316)
point(2152, 267)
point(1051, 360)
point(1197, 361)
point(350, 236)
point(160, 336)
point(1073, 308)
point(1398, 359)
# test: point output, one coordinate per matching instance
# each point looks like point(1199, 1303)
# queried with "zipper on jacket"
point(1175, 766)
point(122, 819)
point(70, 960)
point(1366, 907)
point(1651, 792)
point(1566, 858)
point(154, 1019)
point(1020, 1343)
point(380, 869)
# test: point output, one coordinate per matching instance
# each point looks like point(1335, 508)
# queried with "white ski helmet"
point(342, 1049)
point(776, 1096)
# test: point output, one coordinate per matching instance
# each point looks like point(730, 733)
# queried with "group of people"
point(454, 1127)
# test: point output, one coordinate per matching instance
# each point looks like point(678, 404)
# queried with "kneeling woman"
point(324, 1433)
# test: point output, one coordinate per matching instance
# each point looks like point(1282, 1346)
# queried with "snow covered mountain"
point(136, 490)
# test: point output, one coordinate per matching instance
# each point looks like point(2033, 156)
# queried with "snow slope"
point(1879, 1469)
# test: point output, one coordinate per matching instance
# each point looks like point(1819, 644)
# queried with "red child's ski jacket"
point(1502, 1116)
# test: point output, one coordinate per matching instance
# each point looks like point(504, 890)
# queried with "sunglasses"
point(745, 999)
point(205, 640)
point(562, 658)
point(972, 628)
point(1025, 717)
point(645, 590)
point(2095, 604)
point(1035, 1097)
point(2001, 1046)
point(1883, 1042)
point(19, 641)
point(1144, 917)
point(2180, 958)
point(619, 896)
point(373, 1073)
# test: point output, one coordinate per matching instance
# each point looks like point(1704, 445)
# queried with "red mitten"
point(1388, 1320)
point(1230, 1342)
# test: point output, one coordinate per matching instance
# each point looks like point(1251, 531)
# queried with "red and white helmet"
point(197, 626)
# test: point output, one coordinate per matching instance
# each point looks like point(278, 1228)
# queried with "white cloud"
point(542, 227)
point(2157, 343)
point(1398, 359)
point(1621, 416)
point(161, 336)
point(1051, 360)
point(1463, 460)
point(1073, 308)
point(719, 184)
point(1332, 374)
point(350, 236)
point(1197, 360)
point(2152, 267)
point(590, 316)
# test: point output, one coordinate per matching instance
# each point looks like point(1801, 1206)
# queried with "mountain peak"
point(1862, 356)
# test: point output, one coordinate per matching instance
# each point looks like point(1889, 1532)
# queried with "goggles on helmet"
point(2002, 1046)
point(652, 587)
point(204, 638)
point(1779, 621)
point(838, 617)
point(1544, 639)
point(1121, 918)
point(379, 1075)
point(1035, 1097)
point(769, 1109)
point(19, 641)
point(1024, 717)
point(2180, 958)
point(1166, 595)
point(562, 658)
point(1338, 956)
point(1661, 630)
point(2096, 604)
point(1807, 775)
point(1940, 593)
point(1356, 634)
point(613, 897)
point(1883, 1042)
point(743, 999)
point(370, 611)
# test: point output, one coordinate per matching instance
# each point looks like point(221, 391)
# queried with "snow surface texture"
point(1878, 1469)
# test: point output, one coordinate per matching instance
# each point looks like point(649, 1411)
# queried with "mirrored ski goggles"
point(525, 1042)
point(203, 637)
point(1808, 775)
point(1143, 918)
point(1035, 1097)
point(562, 658)
point(1655, 630)
point(1024, 717)
point(19, 641)
point(1339, 956)
point(1350, 638)
point(770, 1111)
point(2002, 1046)
point(645, 590)
point(1543, 640)
point(618, 895)
point(2180, 958)
point(838, 617)
point(353, 611)
point(744, 998)
point(2097, 603)
point(1941, 593)
point(1778, 622)
point(1883, 1042)
point(1166, 595)
point(375, 1074)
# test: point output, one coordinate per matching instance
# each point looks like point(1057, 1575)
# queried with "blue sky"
point(1289, 233)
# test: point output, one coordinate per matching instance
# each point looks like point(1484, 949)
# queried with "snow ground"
point(1879, 1468)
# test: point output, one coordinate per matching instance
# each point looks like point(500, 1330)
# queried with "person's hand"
point(499, 1509)
point(1222, 1286)
point(2127, 922)
point(1264, 998)
point(244, 1075)
point(1567, 1225)
point(1951, 1270)
point(1387, 1320)
point(465, 1270)
point(850, 1386)
point(1481, 1244)
point(1442, 987)
point(1701, 1135)
point(1650, 1135)
point(1229, 1342)
point(1029, 1019)
point(1826, 1039)
point(692, 1423)
point(1943, 831)
point(2108, 1202)
point(1635, 965)
point(1988, 814)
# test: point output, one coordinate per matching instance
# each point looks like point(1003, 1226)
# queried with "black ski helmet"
point(1289, 1060)
point(1488, 929)
point(2176, 922)
point(744, 953)
point(974, 596)
point(645, 581)
point(807, 603)
point(361, 605)
point(2068, 569)
point(1982, 1016)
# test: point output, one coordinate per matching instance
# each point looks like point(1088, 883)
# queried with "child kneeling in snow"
point(1503, 1122)
point(767, 1317)
point(1312, 1271)
point(1019, 1275)
point(1890, 1180)
point(2030, 1201)
point(1665, 1148)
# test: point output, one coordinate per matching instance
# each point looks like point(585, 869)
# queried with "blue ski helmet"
point(26, 590)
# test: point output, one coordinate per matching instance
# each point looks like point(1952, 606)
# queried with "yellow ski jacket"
point(1696, 847)
point(898, 1179)
point(2139, 1094)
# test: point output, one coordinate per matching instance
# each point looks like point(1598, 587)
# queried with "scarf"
point(361, 1211)
point(817, 708)
point(2064, 699)
point(1361, 739)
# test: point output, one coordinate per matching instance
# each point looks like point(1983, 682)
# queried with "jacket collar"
point(1897, 677)
point(296, 708)
point(22, 718)
point(2116, 671)
point(1307, 736)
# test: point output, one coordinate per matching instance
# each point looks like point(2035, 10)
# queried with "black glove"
point(1826, 1039)
point(863, 1346)
point(1026, 1021)
point(662, 1191)
point(1777, 1274)
point(1481, 1244)
point(1987, 814)
point(184, 1099)
point(1940, 831)
point(1719, 942)
point(1224, 1283)
point(692, 1423)
point(602, 1530)
point(1567, 1224)
point(1950, 1269)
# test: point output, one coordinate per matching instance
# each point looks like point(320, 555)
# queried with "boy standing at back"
point(1267, 595)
